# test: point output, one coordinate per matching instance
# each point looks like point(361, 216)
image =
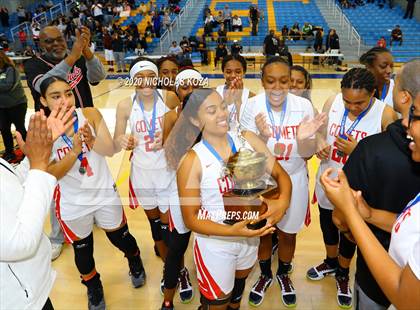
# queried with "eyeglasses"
point(411, 116)
point(59, 39)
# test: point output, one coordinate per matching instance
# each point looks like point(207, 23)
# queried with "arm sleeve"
point(10, 80)
point(21, 228)
point(37, 75)
point(414, 260)
point(95, 70)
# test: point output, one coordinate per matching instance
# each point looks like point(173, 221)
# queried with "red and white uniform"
point(217, 258)
point(82, 200)
point(370, 124)
point(233, 114)
point(388, 98)
point(405, 234)
point(149, 177)
point(286, 152)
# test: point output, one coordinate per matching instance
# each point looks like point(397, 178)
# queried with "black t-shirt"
point(271, 45)
point(77, 77)
point(382, 168)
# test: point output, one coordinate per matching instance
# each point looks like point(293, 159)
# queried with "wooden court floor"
point(69, 293)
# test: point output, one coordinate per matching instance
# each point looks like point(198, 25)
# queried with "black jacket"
point(382, 168)
point(38, 66)
point(332, 42)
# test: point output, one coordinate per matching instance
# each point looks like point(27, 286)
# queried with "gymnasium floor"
point(69, 293)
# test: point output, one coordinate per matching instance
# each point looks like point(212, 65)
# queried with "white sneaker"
point(56, 249)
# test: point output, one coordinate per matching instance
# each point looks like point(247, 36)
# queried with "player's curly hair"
point(369, 57)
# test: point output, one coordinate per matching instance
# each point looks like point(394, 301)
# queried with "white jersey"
point(406, 233)
point(212, 185)
point(143, 156)
point(388, 98)
point(285, 149)
point(233, 114)
point(370, 124)
point(80, 194)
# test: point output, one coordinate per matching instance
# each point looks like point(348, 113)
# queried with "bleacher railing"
point(345, 24)
point(43, 18)
point(168, 36)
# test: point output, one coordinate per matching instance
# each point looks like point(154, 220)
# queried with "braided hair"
point(359, 78)
point(369, 57)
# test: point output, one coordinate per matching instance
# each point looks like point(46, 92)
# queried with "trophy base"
point(248, 207)
point(257, 189)
point(254, 226)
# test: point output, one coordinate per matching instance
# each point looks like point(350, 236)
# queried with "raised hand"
point(38, 143)
point(346, 145)
point(60, 120)
point(308, 127)
point(262, 125)
point(338, 191)
point(88, 137)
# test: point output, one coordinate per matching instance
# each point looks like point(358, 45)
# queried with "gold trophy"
point(247, 169)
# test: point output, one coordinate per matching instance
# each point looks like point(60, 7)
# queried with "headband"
point(185, 75)
point(143, 66)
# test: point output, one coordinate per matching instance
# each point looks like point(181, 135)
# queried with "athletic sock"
point(265, 266)
point(283, 268)
point(342, 272)
point(332, 262)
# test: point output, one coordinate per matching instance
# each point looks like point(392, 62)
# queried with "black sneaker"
point(96, 299)
point(137, 272)
point(320, 271)
point(288, 293)
point(186, 292)
point(256, 296)
point(344, 295)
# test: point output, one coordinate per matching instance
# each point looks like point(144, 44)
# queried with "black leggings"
point(8, 116)
point(332, 236)
point(178, 244)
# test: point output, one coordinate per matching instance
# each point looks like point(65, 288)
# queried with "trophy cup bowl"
point(247, 169)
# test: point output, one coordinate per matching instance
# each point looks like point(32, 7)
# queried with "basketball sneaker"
point(344, 295)
point(319, 272)
point(95, 293)
point(186, 292)
point(56, 249)
point(137, 272)
point(288, 293)
point(256, 296)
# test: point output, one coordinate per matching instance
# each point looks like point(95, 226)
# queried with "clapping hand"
point(307, 128)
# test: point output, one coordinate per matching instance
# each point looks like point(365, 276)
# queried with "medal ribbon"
point(151, 130)
point(384, 92)
point(214, 152)
point(355, 123)
point(84, 164)
point(271, 116)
